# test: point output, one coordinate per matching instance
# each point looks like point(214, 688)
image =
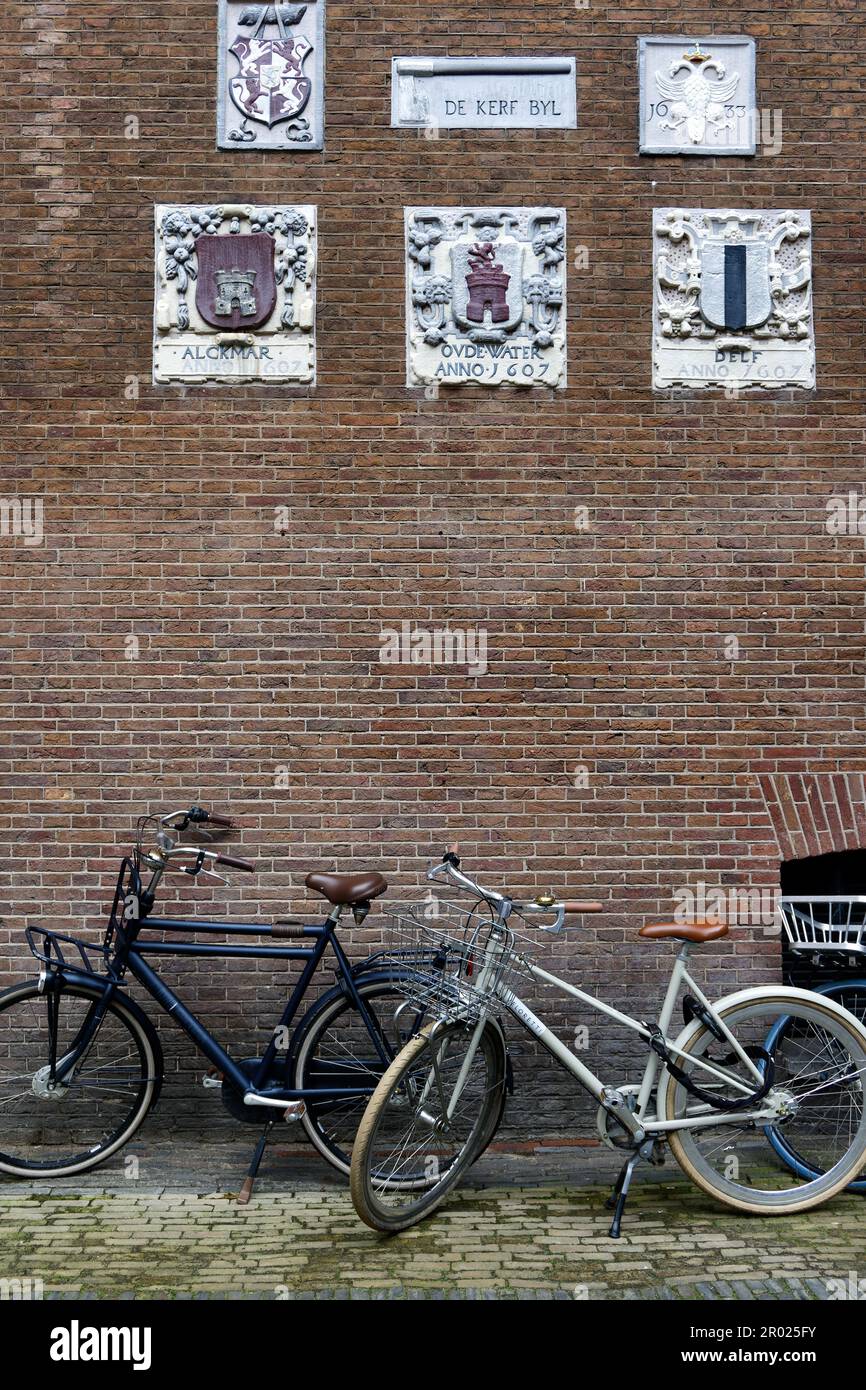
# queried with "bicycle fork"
point(434, 1081)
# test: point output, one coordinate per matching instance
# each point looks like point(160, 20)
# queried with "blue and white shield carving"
point(735, 284)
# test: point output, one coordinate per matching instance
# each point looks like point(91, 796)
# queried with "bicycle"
point(81, 1064)
point(829, 930)
point(709, 1092)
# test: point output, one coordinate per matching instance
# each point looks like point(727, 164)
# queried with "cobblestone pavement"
point(531, 1226)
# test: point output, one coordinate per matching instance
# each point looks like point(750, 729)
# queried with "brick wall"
point(607, 647)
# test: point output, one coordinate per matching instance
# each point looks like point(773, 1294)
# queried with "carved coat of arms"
point(235, 294)
point(267, 98)
point(732, 298)
point(236, 283)
point(697, 96)
point(485, 296)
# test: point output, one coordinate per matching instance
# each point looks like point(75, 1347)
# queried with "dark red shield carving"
point(236, 286)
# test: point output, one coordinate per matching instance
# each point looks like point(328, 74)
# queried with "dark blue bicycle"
point(81, 1063)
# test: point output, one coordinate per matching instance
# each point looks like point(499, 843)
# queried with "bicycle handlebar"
point(450, 867)
point(232, 863)
point(195, 815)
point(222, 822)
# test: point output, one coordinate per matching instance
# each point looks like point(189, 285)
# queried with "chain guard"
point(234, 1101)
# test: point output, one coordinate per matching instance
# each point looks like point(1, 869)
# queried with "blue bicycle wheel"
point(851, 994)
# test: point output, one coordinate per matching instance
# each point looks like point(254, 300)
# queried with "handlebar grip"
point(222, 821)
point(231, 863)
point(575, 905)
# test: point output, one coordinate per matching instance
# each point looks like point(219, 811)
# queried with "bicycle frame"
point(130, 954)
point(641, 1123)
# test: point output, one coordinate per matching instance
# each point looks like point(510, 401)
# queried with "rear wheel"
point(64, 1127)
point(816, 1100)
point(334, 1049)
point(420, 1131)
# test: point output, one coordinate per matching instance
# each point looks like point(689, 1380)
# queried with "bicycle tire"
point(304, 1044)
point(684, 1143)
point(146, 1056)
point(851, 994)
point(368, 1177)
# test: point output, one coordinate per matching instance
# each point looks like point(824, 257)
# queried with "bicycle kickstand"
point(617, 1198)
point(246, 1191)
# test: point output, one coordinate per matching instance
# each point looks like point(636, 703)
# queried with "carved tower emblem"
point(267, 99)
point(485, 296)
point(235, 294)
point(236, 285)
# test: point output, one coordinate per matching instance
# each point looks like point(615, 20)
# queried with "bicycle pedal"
point(212, 1079)
point(296, 1111)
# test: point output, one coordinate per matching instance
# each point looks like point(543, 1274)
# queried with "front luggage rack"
point(47, 946)
point(825, 924)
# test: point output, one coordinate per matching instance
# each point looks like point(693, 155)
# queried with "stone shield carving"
point(271, 75)
point(235, 294)
point(485, 296)
point(732, 298)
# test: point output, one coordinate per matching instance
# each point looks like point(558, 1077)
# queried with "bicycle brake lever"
point(556, 927)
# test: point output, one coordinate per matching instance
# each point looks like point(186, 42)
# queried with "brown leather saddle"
point(684, 931)
point(347, 890)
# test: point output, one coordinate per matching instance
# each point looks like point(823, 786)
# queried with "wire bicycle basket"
point(825, 924)
point(453, 958)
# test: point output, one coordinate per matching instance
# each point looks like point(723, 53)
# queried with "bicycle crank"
point(617, 1108)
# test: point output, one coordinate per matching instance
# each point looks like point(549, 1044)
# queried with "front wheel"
point(816, 1100)
point(432, 1112)
point(57, 1127)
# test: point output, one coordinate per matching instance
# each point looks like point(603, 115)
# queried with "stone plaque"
point(485, 296)
point(271, 76)
point(697, 96)
point(235, 294)
point(732, 298)
point(483, 93)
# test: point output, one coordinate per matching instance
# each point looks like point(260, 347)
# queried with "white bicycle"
point(712, 1093)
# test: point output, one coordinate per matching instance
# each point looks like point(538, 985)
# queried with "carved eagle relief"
point(697, 102)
